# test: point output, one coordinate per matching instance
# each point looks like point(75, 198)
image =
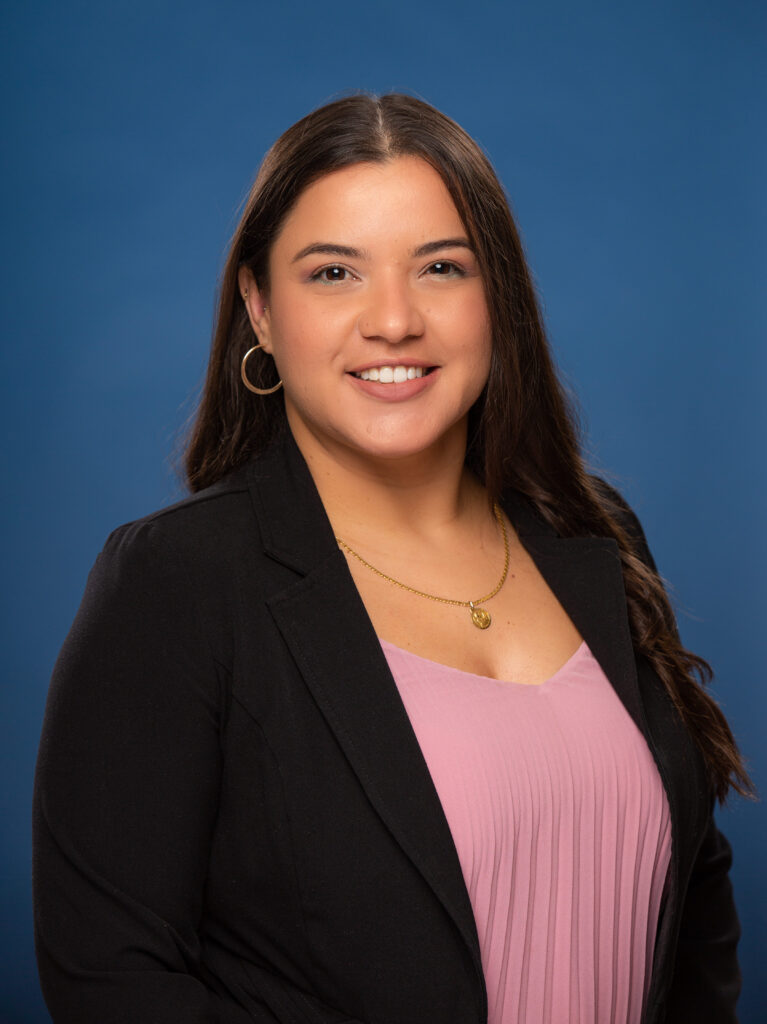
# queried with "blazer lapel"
point(585, 575)
point(324, 623)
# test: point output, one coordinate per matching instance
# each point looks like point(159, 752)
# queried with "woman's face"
point(376, 318)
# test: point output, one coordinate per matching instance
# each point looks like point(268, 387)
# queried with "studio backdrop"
point(630, 140)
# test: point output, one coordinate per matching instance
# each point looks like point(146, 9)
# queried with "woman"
point(389, 721)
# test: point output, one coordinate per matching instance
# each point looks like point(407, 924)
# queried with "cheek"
point(474, 318)
point(296, 342)
point(484, 360)
point(305, 335)
point(480, 348)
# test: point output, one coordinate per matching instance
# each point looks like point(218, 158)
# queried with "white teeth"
point(391, 374)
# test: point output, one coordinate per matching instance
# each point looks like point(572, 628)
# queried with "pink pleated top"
point(562, 830)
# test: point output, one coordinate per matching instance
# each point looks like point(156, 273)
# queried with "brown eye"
point(444, 268)
point(331, 275)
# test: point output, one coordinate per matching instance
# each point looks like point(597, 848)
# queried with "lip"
point(393, 392)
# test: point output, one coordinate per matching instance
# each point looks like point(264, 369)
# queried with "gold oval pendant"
point(480, 617)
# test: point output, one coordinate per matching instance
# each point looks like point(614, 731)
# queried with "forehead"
point(403, 196)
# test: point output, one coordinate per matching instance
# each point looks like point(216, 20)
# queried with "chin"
point(401, 448)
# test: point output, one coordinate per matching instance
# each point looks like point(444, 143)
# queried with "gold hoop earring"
point(244, 375)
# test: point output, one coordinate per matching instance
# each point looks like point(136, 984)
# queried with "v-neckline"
point(582, 647)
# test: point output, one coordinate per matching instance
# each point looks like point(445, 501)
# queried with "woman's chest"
point(527, 639)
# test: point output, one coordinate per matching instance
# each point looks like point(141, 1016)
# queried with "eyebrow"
point(443, 243)
point(334, 249)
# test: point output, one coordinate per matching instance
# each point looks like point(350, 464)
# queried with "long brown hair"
point(521, 429)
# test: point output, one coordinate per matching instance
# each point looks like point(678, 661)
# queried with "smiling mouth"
point(393, 374)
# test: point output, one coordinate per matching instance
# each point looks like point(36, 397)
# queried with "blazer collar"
point(324, 623)
point(295, 529)
point(584, 573)
point(586, 576)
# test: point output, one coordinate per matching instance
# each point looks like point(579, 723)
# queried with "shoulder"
point(203, 521)
point(619, 509)
point(612, 498)
point(193, 542)
point(176, 565)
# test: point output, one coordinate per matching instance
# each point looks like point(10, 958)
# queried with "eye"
point(333, 274)
point(445, 268)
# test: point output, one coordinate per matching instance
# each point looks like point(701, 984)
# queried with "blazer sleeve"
point(706, 980)
point(125, 799)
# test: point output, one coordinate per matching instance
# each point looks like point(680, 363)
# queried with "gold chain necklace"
point(479, 616)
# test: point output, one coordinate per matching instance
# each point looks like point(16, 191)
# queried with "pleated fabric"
point(562, 829)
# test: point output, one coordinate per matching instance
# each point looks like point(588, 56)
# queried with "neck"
point(418, 495)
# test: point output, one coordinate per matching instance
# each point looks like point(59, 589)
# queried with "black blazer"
point(233, 819)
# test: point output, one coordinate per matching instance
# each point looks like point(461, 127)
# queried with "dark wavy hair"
point(522, 430)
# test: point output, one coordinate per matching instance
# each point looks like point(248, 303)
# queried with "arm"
point(125, 799)
point(705, 983)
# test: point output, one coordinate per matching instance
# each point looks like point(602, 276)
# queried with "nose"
point(391, 313)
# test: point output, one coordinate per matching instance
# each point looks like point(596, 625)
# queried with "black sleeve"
point(125, 798)
point(706, 980)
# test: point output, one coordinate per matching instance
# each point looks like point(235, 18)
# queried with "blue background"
point(629, 139)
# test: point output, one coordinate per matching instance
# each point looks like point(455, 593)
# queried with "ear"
point(258, 312)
